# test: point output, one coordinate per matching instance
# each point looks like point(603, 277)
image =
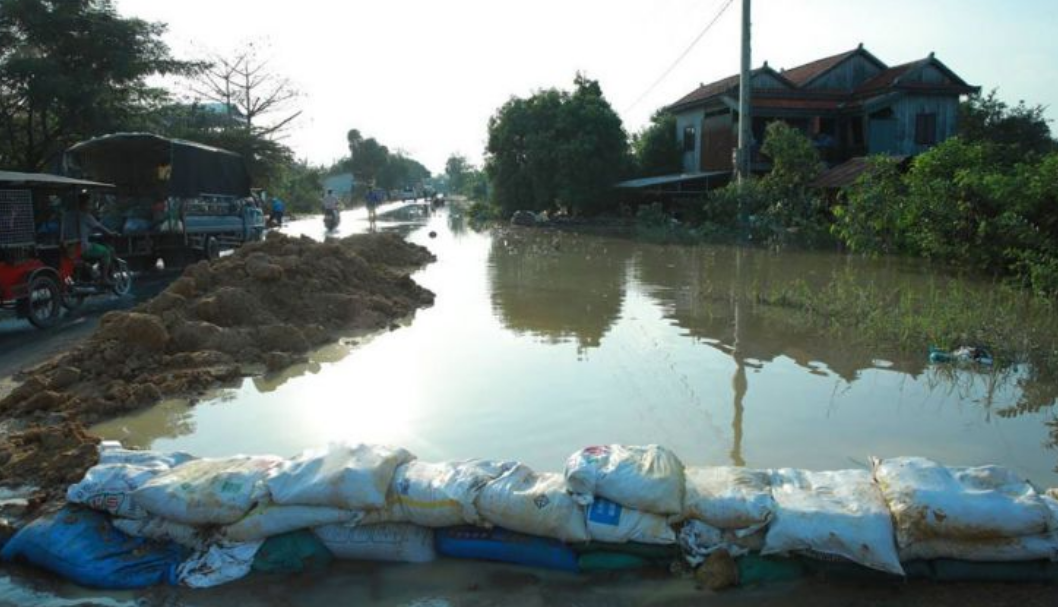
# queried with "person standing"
point(278, 210)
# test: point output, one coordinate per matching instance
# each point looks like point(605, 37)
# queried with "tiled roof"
point(786, 103)
point(710, 90)
point(802, 74)
point(887, 77)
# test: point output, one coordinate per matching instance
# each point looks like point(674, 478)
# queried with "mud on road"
point(261, 309)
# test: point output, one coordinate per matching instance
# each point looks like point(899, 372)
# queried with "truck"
point(174, 200)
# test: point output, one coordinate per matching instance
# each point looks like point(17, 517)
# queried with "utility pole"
point(743, 157)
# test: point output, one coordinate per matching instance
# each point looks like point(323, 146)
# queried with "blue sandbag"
point(82, 546)
point(506, 547)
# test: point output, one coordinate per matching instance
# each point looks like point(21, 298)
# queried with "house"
point(850, 105)
point(342, 184)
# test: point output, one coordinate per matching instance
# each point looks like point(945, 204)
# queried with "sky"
point(424, 76)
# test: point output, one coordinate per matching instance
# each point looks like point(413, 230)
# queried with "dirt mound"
point(48, 456)
point(262, 307)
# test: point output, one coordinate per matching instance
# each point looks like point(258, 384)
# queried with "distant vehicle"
point(41, 268)
point(175, 200)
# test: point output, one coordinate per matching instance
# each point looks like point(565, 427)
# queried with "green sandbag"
point(650, 552)
point(610, 561)
point(756, 569)
point(296, 552)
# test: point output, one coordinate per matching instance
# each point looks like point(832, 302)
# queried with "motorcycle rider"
point(86, 222)
point(330, 204)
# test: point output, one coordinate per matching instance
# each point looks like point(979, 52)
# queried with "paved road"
point(23, 346)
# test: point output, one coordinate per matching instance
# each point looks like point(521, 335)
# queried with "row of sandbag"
point(611, 494)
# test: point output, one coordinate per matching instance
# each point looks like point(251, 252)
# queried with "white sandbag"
point(835, 513)
point(267, 519)
point(207, 491)
point(110, 488)
point(161, 530)
point(930, 501)
point(728, 497)
point(340, 476)
point(221, 564)
point(111, 452)
point(399, 543)
point(1037, 547)
point(613, 523)
point(536, 504)
point(1043, 547)
point(648, 478)
point(437, 495)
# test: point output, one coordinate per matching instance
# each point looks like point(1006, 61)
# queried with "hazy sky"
point(425, 75)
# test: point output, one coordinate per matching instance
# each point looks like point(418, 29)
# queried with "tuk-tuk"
point(41, 268)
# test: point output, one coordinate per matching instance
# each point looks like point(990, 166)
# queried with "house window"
point(689, 142)
point(926, 129)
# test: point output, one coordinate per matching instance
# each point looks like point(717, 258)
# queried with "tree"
point(456, 169)
point(556, 149)
point(248, 91)
point(367, 157)
point(1022, 129)
point(656, 148)
point(73, 69)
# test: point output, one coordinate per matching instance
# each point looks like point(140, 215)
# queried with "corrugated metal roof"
point(11, 178)
point(846, 174)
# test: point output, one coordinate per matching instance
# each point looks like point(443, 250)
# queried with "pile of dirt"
point(48, 456)
point(264, 306)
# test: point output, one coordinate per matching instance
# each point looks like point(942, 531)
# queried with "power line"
point(682, 56)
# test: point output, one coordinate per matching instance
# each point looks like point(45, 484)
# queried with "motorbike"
point(87, 280)
point(331, 219)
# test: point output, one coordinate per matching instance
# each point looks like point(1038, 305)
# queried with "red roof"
point(803, 74)
point(710, 90)
point(887, 77)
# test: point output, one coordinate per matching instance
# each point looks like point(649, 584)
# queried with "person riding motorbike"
point(330, 206)
point(93, 251)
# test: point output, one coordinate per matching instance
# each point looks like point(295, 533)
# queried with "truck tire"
point(44, 304)
point(211, 249)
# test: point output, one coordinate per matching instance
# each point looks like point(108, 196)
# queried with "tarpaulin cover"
point(146, 164)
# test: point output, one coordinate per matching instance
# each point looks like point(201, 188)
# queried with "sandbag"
point(650, 479)
point(111, 452)
point(505, 546)
point(82, 546)
point(833, 513)
point(267, 519)
point(207, 491)
point(930, 501)
point(728, 497)
point(292, 553)
point(397, 542)
point(220, 564)
point(110, 487)
point(698, 540)
point(537, 504)
point(161, 530)
point(340, 476)
point(612, 523)
point(437, 495)
point(1042, 546)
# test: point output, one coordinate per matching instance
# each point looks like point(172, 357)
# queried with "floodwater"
point(543, 342)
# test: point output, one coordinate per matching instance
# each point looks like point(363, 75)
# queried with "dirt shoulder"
point(262, 308)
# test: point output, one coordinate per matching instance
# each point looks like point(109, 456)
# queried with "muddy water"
point(542, 342)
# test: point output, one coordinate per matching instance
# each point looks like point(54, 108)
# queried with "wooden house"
point(850, 105)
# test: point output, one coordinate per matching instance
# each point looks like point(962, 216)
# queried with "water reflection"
point(543, 342)
point(558, 286)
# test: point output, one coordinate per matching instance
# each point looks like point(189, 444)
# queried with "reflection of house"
point(851, 104)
